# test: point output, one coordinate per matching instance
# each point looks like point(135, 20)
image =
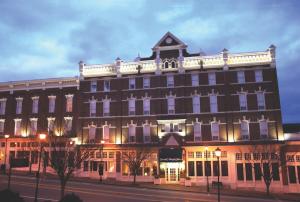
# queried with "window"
point(51, 122)
point(146, 82)
point(191, 168)
point(197, 132)
point(33, 126)
point(111, 155)
point(257, 171)
point(132, 130)
point(19, 105)
point(2, 122)
point(260, 100)
point(247, 156)
point(52, 99)
point(207, 168)
point(224, 168)
point(275, 171)
point(106, 132)
point(298, 170)
point(2, 106)
point(215, 130)
point(146, 133)
point(266, 170)
point(93, 86)
point(146, 106)
point(18, 127)
point(238, 156)
point(290, 158)
point(243, 101)
point(199, 168)
point(196, 104)
point(35, 105)
point(195, 80)
point(131, 83)
point(85, 166)
point(245, 130)
point(171, 105)
point(292, 174)
point(170, 81)
point(212, 78)
point(213, 103)
point(198, 154)
point(249, 176)
point(68, 124)
point(241, 77)
point(106, 107)
point(298, 158)
point(191, 155)
point(106, 86)
point(258, 75)
point(69, 103)
point(92, 133)
point(256, 156)
point(93, 107)
point(131, 106)
point(215, 168)
point(263, 128)
point(240, 171)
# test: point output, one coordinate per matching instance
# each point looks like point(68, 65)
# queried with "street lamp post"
point(218, 154)
point(41, 138)
point(5, 152)
point(207, 182)
point(101, 165)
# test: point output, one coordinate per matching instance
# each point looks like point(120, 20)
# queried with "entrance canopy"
point(170, 155)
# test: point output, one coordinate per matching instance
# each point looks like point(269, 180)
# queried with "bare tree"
point(267, 160)
point(65, 158)
point(135, 158)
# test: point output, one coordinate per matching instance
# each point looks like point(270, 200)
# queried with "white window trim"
point(197, 138)
point(93, 84)
point(51, 98)
point(212, 80)
point(2, 121)
point(69, 98)
point(195, 80)
point(214, 137)
point(146, 124)
point(170, 82)
point(35, 100)
point(91, 102)
point(238, 74)
point(196, 110)
point(210, 102)
point(246, 100)
point(171, 110)
point(15, 129)
point(245, 136)
point(3, 106)
point(258, 75)
point(131, 83)
point(19, 105)
point(263, 136)
point(149, 85)
point(106, 139)
point(92, 137)
point(131, 99)
point(105, 112)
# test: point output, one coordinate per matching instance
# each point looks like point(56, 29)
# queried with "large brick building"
point(181, 106)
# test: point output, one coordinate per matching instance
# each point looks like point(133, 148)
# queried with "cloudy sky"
point(42, 39)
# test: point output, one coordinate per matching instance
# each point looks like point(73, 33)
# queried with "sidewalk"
point(175, 187)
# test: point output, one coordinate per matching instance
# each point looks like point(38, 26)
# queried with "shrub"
point(70, 198)
point(8, 195)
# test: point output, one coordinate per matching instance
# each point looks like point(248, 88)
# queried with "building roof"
point(291, 128)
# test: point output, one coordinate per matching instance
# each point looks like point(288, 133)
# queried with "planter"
point(188, 183)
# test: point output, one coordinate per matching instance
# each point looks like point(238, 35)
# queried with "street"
point(90, 192)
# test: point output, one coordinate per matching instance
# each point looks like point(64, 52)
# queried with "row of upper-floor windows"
point(171, 106)
point(35, 104)
point(32, 128)
point(170, 82)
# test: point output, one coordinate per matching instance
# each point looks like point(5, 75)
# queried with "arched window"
point(173, 64)
point(166, 65)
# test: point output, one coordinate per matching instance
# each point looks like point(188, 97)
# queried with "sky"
point(45, 39)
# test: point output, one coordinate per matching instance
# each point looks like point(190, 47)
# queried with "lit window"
point(51, 103)
point(2, 122)
point(198, 154)
point(93, 107)
point(68, 124)
point(146, 106)
point(33, 126)
point(69, 103)
point(243, 101)
point(196, 104)
point(51, 122)
point(247, 156)
point(106, 86)
point(146, 133)
point(19, 105)
point(171, 105)
point(215, 130)
point(263, 128)
point(213, 103)
point(197, 132)
point(195, 80)
point(170, 81)
point(35, 105)
point(131, 83)
point(241, 77)
point(211, 78)
point(106, 107)
point(93, 86)
point(106, 132)
point(18, 127)
point(260, 100)
point(258, 75)
point(92, 133)
point(238, 156)
point(131, 106)
point(2, 106)
point(290, 158)
point(132, 132)
point(245, 130)
point(146, 82)
point(191, 154)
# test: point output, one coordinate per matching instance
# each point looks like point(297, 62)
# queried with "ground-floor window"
point(248, 167)
point(207, 168)
point(224, 168)
point(85, 166)
point(191, 170)
point(275, 171)
point(298, 169)
point(240, 171)
point(199, 168)
point(215, 168)
point(257, 171)
point(292, 174)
